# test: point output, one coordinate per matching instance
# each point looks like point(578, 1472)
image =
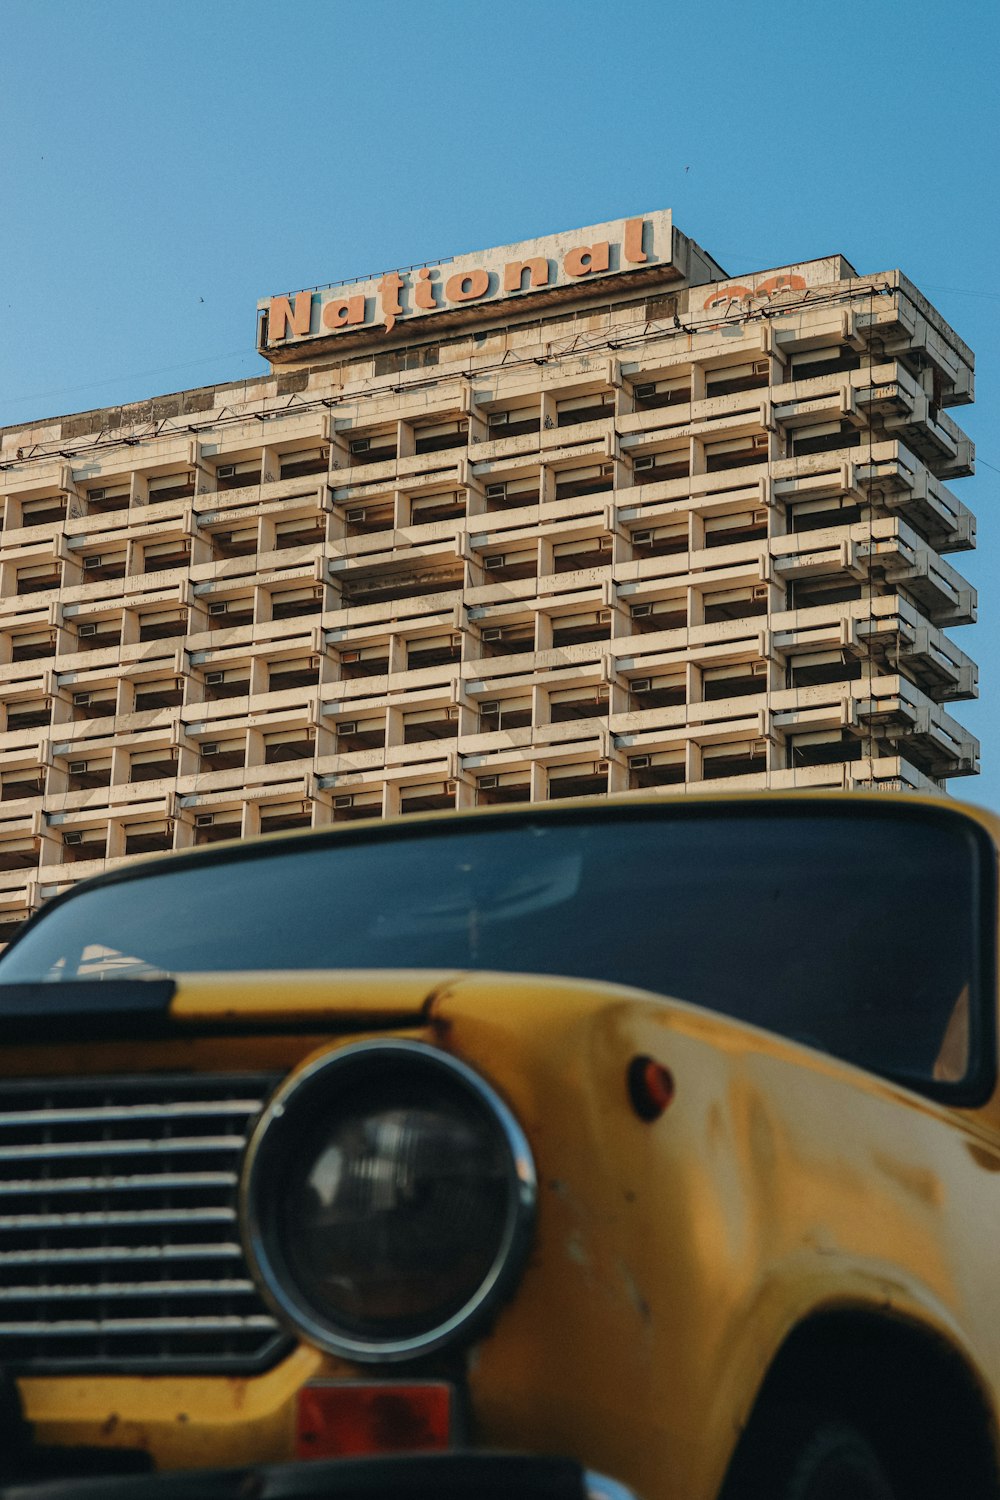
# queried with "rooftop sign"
point(526, 270)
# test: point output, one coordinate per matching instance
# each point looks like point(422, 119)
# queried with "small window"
point(32, 645)
point(577, 630)
point(167, 693)
point(306, 461)
point(579, 409)
point(746, 680)
point(589, 552)
point(506, 787)
point(595, 479)
point(823, 749)
point(152, 765)
point(361, 734)
point(744, 377)
point(433, 651)
point(833, 360)
point(504, 714)
point(32, 713)
point(578, 703)
point(825, 437)
point(819, 667)
point(431, 797)
point(285, 817)
point(736, 604)
point(293, 744)
point(231, 684)
point(291, 604)
point(444, 507)
point(650, 394)
point(587, 780)
point(301, 672)
point(430, 724)
point(813, 593)
point(665, 691)
point(658, 769)
point(443, 435)
point(746, 758)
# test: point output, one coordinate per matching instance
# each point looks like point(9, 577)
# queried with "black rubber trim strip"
point(85, 1009)
point(432, 1476)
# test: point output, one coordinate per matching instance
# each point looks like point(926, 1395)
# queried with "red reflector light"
point(650, 1087)
point(349, 1419)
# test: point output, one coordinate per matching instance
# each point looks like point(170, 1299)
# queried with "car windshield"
point(854, 931)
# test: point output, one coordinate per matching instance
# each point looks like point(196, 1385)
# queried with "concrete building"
point(568, 517)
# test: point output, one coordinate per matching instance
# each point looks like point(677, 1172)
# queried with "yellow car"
point(657, 1139)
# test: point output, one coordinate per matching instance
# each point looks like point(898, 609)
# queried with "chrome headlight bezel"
point(275, 1132)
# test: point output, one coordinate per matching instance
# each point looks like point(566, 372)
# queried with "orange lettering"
point(389, 289)
point(586, 259)
point(343, 310)
point(282, 313)
point(467, 286)
point(423, 292)
point(513, 273)
point(633, 241)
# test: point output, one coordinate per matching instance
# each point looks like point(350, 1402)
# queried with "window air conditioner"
point(226, 471)
point(73, 839)
point(204, 820)
point(761, 366)
point(489, 708)
point(758, 442)
point(361, 445)
point(638, 762)
point(604, 617)
point(642, 684)
point(494, 633)
point(350, 657)
point(758, 747)
point(759, 515)
point(91, 562)
point(760, 591)
point(492, 563)
point(496, 491)
point(449, 787)
point(210, 749)
point(214, 678)
point(343, 802)
point(499, 418)
point(647, 461)
point(642, 538)
point(219, 607)
point(489, 783)
point(452, 713)
point(644, 392)
point(349, 726)
point(87, 630)
point(356, 514)
point(77, 767)
point(81, 700)
point(96, 494)
point(641, 611)
point(600, 768)
point(758, 669)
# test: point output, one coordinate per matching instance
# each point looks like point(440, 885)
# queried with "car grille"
point(119, 1241)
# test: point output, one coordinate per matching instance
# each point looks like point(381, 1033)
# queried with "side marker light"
point(650, 1087)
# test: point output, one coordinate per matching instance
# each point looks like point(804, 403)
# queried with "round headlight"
point(388, 1198)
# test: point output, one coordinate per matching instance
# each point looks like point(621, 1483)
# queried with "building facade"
point(571, 517)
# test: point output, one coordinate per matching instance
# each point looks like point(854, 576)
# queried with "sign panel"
point(508, 272)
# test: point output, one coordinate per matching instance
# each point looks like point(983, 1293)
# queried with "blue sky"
point(163, 166)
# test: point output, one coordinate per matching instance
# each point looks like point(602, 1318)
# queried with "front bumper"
point(432, 1476)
